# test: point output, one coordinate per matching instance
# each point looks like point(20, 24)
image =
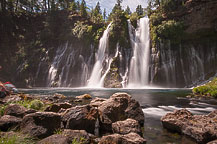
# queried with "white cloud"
point(109, 4)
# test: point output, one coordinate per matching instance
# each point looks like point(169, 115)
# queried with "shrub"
point(36, 104)
point(171, 29)
point(214, 93)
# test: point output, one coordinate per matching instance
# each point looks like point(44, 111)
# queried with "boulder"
point(202, 128)
point(177, 120)
point(126, 126)
point(212, 142)
point(40, 124)
point(68, 136)
point(131, 138)
point(78, 135)
point(59, 96)
point(55, 139)
point(11, 99)
point(57, 106)
point(8, 122)
point(17, 110)
point(80, 118)
point(119, 107)
point(84, 96)
point(97, 102)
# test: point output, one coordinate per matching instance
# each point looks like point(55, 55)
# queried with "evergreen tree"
point(139, 10)
point(83, 10)
point(78, 6)
point(128, 11)
point(97, 8)
point(104, 14)
point(96, 14)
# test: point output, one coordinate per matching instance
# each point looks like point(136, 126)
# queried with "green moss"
point(2, 109)
point(36, 104)
point(207, 89)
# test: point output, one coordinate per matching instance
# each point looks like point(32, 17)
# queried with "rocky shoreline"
point(118, 119)
point(57, 119)
point(202, 128)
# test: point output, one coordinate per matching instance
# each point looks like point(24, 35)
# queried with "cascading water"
point(139, 65)
point(96, 74)
point(62, 70)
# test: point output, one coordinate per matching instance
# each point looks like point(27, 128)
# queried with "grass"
point(80, 141)
point(34, 104)
point(209, 89)
point(16, 139)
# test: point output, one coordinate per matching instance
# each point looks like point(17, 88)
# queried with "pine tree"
point(128, 11)
point(104, 14)
point(139, 10)
point(83, 11)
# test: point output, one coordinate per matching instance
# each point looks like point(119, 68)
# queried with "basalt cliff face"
point(193, 59)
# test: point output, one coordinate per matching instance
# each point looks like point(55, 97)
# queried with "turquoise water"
point(154, 102)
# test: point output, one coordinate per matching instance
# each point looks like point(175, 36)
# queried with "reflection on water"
point(155, 104)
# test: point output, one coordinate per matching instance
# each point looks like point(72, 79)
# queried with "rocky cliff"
point(193, 58)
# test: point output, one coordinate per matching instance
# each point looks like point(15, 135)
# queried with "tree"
point(128, 11)
point(139, 10)
point(104, 14)
point(97, 8)
point(78, 6)
point(96, 14)
point(83, 11)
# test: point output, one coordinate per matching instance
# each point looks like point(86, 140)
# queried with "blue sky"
point(109, 4)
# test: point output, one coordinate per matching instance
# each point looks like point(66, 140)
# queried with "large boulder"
point(8, 122)
point(17, 110)
point(119, 107)
point(202, 128)
point(131, 138)
point(177, 120)
point(68, 136)
point(212, 142)
point(97, 102)
point(55, 139)
point(57, 106)
point(80, 118)
point(78, 135)
point(126, 126)
point(40, 124)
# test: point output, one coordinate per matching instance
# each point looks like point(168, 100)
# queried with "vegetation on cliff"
point(209, 89)
point(163, 23)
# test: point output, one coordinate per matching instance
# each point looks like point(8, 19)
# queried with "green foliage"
point(128, 11)
point(16, 139)
point(83, 11)
point(8, 140)
point(170, 30)
point(78, 141)
point(36, 104)
point(2, 109)
point(214, 93)
point(58, 131)
point(139, 10)
point(133, 19)
point(80, 29)
point(207, 89)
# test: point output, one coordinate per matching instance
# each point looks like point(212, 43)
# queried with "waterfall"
point(63, 69)
point(139, 65)
point(96, 74)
